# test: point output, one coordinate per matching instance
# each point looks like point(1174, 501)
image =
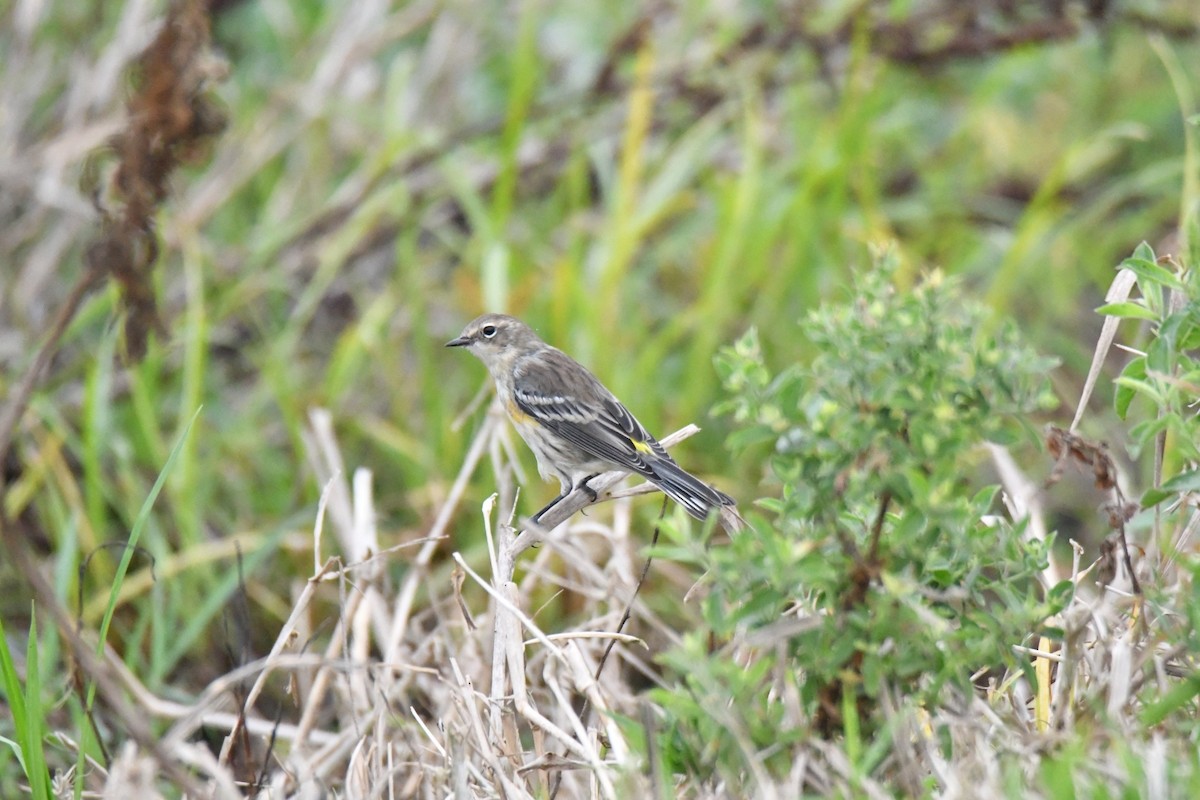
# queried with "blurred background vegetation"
point(641, 182)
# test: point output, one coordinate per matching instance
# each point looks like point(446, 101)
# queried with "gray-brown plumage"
point(574, 425)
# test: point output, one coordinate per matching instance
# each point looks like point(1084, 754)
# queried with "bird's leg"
point(538, 516)
point(583, 484)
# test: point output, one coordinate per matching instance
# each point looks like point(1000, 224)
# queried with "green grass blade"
point(16, 699)
point(135, 534)
point(26, 707)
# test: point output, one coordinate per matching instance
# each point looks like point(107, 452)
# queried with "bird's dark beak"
point(461, 341)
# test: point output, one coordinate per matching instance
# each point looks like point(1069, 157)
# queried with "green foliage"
point(1165, 377)
point(886, 567)
point(28, 714)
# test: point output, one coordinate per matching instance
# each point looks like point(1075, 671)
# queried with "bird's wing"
point(562, 395)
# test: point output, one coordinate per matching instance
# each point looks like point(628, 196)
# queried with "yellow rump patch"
point(642, 447)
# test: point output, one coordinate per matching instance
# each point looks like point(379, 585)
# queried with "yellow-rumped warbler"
point(575, 426)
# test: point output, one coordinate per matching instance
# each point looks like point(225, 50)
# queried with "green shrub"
point(884, 565)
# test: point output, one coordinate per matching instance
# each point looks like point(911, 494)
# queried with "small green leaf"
point(1145, 431)
point(750, 436)
point(1153, 497)
point(1060, 594)
point(1145, 387)
point(1183, 482)
point(1189, 337)
point(1134, 376)
point(1144, 252)
point(1159, 356)
point(1148, 270)
point(1127, 310)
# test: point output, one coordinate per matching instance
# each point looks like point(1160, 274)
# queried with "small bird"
point(574, 425)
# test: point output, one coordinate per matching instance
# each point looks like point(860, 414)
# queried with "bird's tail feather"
point(696, 496)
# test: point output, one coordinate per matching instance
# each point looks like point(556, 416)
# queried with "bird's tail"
point(697, 497)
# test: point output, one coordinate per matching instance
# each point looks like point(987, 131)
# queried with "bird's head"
point(494, 337)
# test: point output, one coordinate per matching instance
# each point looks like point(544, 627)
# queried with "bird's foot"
point(588, 490)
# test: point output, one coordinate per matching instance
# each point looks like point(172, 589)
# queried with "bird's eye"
point(488, 331)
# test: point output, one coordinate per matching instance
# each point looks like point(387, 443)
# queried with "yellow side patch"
point(642, 447)
point(518, 416)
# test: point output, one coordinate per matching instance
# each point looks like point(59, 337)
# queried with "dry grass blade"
point(408, 591)
point(1118, 292)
